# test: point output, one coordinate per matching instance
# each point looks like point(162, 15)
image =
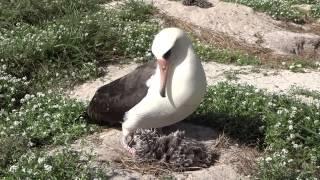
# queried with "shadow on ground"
point(245, 130)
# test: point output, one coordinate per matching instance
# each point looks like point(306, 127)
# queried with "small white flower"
point(268, 159)
point(290, 127)
point(292, 136)
point(41, 160)
point(40, 94)
point(30, 144)
point(279, 111)
point(13, 168)
point(313, 158)
point(47, 167)
point(277, 125)
point(284, 151)
point(16, 123)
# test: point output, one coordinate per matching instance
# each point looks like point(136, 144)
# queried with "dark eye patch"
point(167, 55)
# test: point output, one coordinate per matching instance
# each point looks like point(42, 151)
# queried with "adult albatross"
point(156, 94)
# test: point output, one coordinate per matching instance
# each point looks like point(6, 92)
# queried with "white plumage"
point(184, 89)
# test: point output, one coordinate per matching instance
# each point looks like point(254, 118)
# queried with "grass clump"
point(37, 12)
point(315, 10)
point(287, 129)
point(211, 53)
point(73, 45)
point(65, 164)
point(11, 148)
point(45, 119)
point(12, 89)
point(135, 10)
point(282, 10)
point(234, 109)
point(305, 92)
point(51, 44)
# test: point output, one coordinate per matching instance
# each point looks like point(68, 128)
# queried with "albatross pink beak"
point(163, 65)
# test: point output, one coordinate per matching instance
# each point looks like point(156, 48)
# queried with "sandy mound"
point(243, 24)
point(107, 148)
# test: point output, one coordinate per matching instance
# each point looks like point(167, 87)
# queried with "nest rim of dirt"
point(149, 162)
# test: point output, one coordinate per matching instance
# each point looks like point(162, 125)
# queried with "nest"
point(174, 150)
point(199, 3)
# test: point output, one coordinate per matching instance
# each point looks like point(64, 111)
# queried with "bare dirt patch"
point(272, 80)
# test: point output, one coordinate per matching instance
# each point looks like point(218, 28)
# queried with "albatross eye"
point(167, 55)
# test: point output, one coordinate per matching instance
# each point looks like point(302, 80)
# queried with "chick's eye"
point(167, 55)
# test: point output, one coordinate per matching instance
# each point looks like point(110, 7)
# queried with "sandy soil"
point(245, 25)
point(279, 81)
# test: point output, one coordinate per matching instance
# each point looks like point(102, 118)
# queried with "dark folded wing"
point(113, 100)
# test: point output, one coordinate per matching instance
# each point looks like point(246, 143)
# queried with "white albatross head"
point(163, 49)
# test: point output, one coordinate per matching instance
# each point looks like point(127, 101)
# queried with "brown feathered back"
point(113, 100)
